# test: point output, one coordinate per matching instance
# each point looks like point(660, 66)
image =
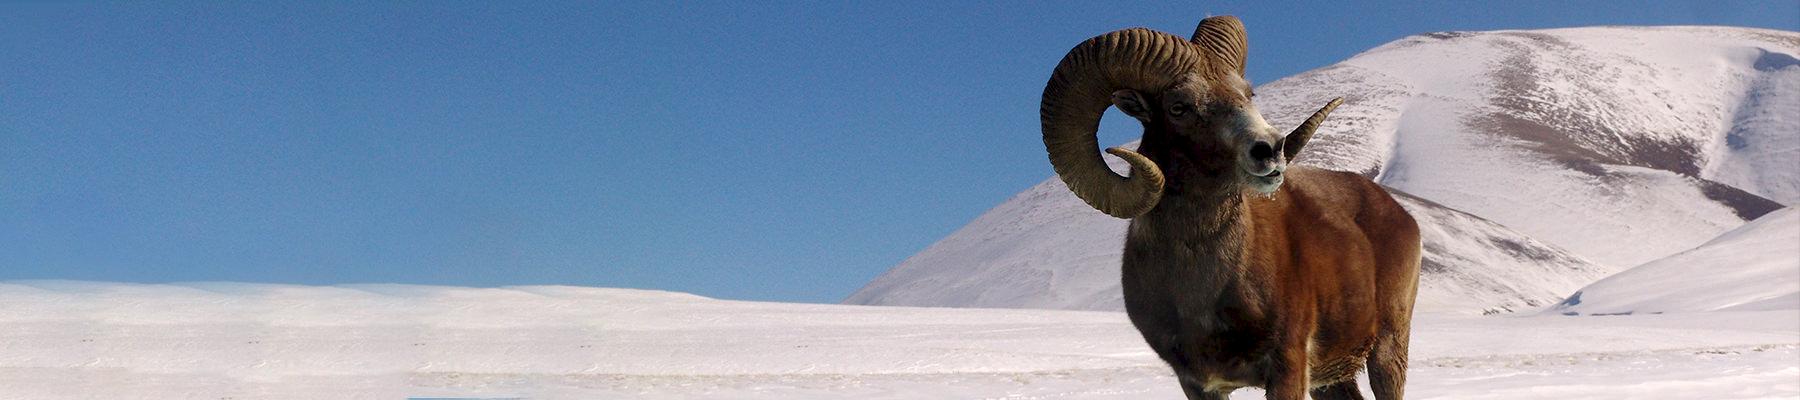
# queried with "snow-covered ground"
point(243, 341)
point(1753, 267)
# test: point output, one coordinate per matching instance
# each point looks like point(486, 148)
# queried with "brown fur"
point(1233, 286)
point(1293, 291)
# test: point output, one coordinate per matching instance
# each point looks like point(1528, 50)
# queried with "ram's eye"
point(1179, 110)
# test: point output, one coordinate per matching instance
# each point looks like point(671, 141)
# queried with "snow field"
point(77, 340)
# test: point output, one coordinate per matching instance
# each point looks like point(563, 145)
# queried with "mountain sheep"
point(1238, 270)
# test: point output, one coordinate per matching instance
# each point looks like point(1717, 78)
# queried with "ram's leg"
point(1387, 359)
point(1345, 390)
point(1195, 392)
point(1288, 374)
point(1387, 363)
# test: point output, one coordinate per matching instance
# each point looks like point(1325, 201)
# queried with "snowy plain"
point(87, 340)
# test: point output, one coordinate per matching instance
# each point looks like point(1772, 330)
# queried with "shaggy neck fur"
point(1203, 191)
point(1198, 230)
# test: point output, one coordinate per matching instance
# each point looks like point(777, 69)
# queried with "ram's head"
point(1193, 100)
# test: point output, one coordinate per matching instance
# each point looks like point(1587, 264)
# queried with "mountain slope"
point(1548, 158)
point(1474, 264)
point(1576, 137)
point(1753, 267)
point(1045, 249)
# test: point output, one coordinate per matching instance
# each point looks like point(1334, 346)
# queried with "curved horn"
point(1298, 138)
point(1223, 36)
point(1078, 94)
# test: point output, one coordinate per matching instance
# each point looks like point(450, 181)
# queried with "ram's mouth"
point(1267, 183)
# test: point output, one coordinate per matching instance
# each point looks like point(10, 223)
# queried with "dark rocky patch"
point(1770, 61)
point(1787, 38)
point(1371, 173)
point(1746, 205)
point(1573, 299)
point(1447, 35)
point(1544, 39)
point(1576, 140)
point(1428, 262)
point(1520, 250)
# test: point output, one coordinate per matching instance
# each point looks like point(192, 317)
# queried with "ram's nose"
point(1262, 152)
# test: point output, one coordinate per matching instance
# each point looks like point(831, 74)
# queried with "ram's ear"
point(1132, 103)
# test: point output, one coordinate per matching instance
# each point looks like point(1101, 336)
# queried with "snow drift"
point(1753, 267)
point(1536, 161)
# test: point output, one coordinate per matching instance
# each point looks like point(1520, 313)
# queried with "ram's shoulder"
point(1330, 186)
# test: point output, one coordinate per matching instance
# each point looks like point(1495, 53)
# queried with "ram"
point(1239, 270)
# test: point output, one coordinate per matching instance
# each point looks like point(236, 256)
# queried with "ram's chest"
point(1216, 348)
point(1196, 307)
point(1203, 326)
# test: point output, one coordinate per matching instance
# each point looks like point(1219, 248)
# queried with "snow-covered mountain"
point(1474, 264)
point(1046, 249)
point(1578, 137)
point(1536, 161)
point(1753, 267)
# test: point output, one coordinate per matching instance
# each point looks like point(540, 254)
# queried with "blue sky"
point(780, 151)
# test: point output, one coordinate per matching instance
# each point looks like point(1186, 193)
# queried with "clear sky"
point(745, 150)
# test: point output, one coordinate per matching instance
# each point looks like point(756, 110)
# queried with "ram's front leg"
point(1288, 374)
